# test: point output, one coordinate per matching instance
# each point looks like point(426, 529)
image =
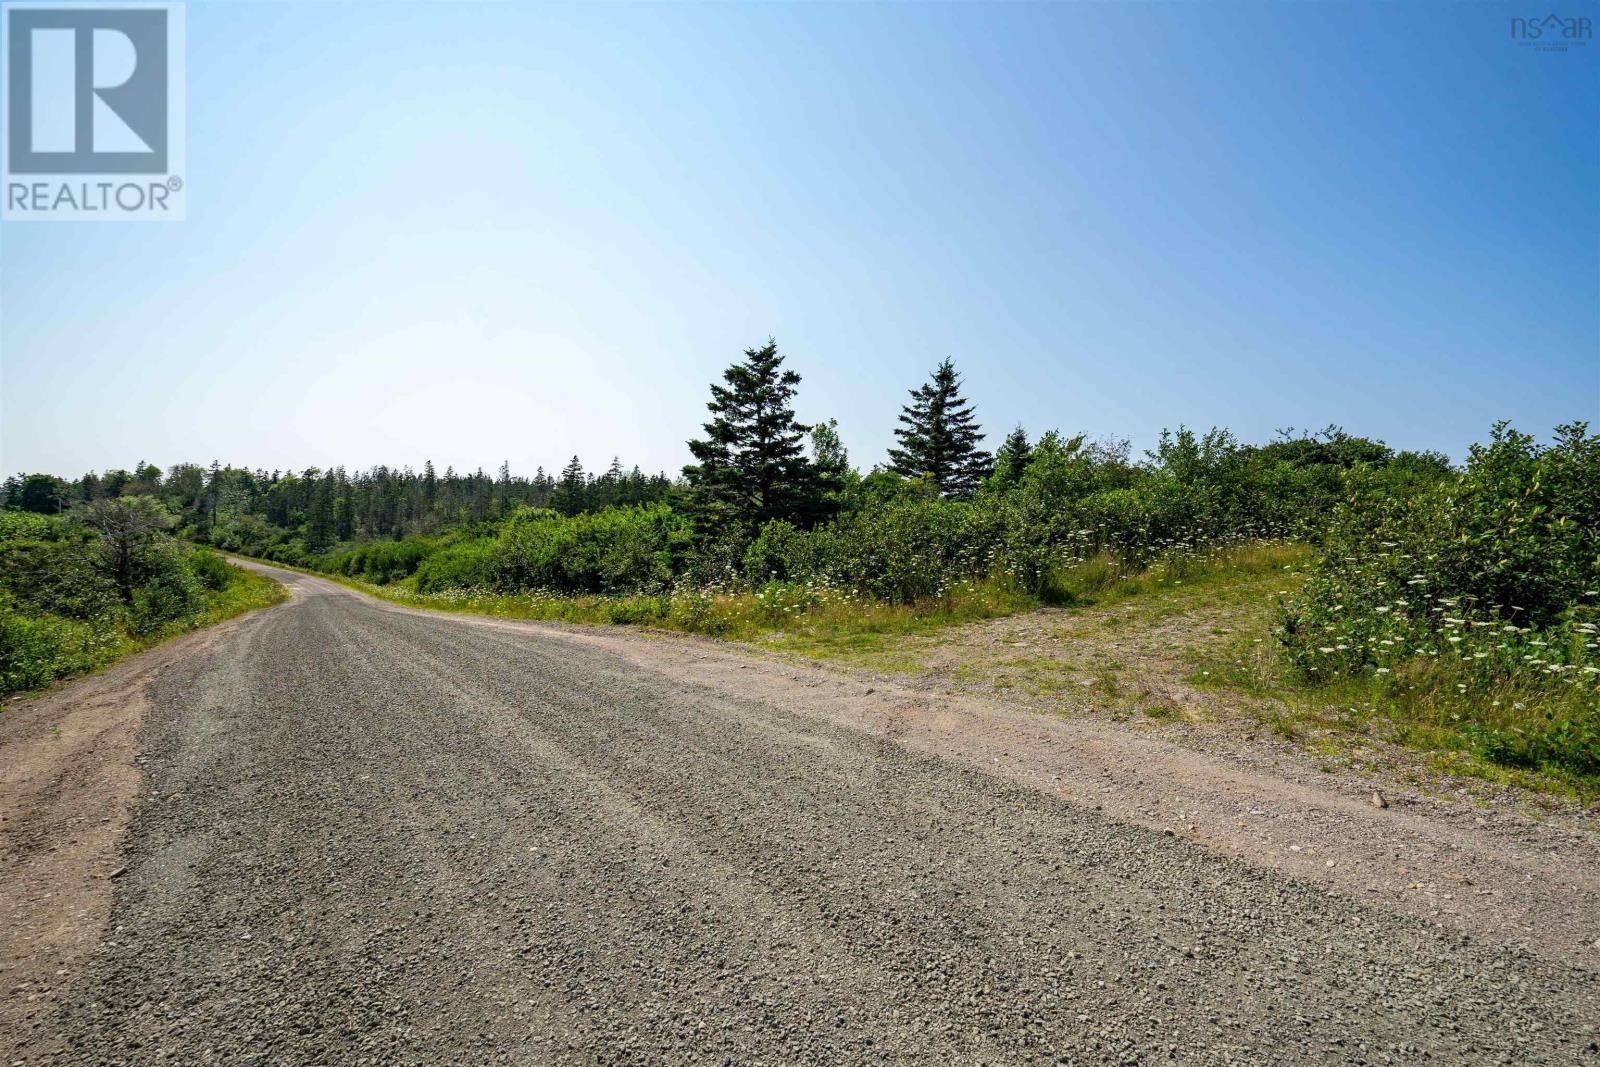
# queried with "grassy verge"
point(830, 622)
point(1113, 646)
point(1496, 732)
point(1175, 584)
point(57, 649)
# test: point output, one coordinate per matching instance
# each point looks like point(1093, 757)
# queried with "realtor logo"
point(93, 111)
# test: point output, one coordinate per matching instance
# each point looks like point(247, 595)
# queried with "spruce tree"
point(1011, 459)
point(939, 436)
point(569, 494)
point(751, 466)
point(430, 483)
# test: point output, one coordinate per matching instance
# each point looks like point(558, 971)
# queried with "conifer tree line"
point(755, 464)
point(332, 506)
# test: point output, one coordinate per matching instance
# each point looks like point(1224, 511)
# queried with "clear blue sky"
point(476, 233)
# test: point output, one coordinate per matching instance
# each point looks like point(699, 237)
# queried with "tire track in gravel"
point(369, 835)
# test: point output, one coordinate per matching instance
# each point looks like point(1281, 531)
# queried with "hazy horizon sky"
point(475, 233)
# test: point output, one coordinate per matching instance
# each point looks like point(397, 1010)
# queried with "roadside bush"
point(1486, 584)
point(905, 550)
point(62, 609)
point(1510, 547)
point(250, 535)
point(381, 562)
point(464, 565)
point(57, 578)
point(611, 551)
point(210, 569)
point(718, 562)
point(782, 552)
point(1072, 509)
point(35, 650)
point(169, 592)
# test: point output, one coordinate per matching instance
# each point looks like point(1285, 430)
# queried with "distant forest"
point(326, 507)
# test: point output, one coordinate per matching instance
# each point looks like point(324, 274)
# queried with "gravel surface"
point(382, 837)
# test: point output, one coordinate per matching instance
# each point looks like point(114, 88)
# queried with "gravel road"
point(370, 836)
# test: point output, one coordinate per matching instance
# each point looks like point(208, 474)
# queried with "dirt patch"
point(1121, 661)
point(68, 779)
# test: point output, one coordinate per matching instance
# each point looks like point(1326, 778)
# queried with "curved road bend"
point(376, 836)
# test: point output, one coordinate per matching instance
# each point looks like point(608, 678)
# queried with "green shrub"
point(636, 610)
point(1547, 741)
point(35, 650)
point(1509, 549)
point(61, 612)
point(1482, 590)
point(27, 526)
point(463, 565)
point(381, 562)
point(210, 569)
point(250, 535)
point(616, 550)
point(57, 578)
point(905, 550)
point(169, 592)
point(782, 552)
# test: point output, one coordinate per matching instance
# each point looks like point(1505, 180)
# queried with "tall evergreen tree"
point(751, 466)
point(569, 494)
point(939, 436)
point(1011, 459)
point(320, 519)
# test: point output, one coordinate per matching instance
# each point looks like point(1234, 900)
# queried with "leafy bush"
point(1485, 584)
point(169, 592)
point(464, 565)
point(909, 549)
point(250, 535)
point(1511, 547)
point(57, 578)
point(210, 569)
point(781, 552)
point(26, 526)
point(615, 550)
point(62, 608)
point(35, 650)
point(381, 562)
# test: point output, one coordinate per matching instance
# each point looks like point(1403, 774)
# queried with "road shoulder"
point(68, 781)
